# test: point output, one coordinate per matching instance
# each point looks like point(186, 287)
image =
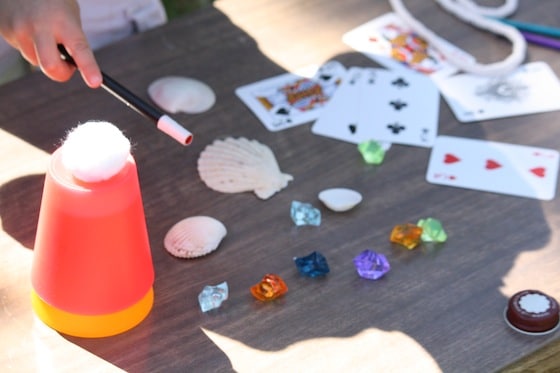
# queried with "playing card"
point(391, 43)
point(494, 167)
point(339, 119)
point(291, 99)
point(398, 107)
point(532, 88)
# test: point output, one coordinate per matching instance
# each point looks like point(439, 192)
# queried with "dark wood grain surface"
point(440, 307)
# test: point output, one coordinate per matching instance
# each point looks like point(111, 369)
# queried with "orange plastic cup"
point(92, 273)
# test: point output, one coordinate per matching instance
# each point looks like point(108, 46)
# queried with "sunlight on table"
point(370, 350)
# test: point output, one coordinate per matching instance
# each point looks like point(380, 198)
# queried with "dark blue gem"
point(313, 265)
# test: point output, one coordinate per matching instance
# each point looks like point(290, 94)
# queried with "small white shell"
point(180, 94)
point(194, 236)
point(340, 199)
point(241, 165)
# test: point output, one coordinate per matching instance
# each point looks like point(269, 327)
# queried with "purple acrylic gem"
point(371, 265)
point(312, 265)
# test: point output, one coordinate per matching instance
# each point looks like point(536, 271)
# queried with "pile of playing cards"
point(354, 105)
point(400, 104)
point(532, 88)
point(382, 105)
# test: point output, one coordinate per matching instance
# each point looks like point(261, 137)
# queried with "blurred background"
point(175, 8)
point(13, 67)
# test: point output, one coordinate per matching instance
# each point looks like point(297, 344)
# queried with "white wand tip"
point(169, 126)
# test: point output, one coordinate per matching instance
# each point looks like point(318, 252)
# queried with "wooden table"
point(440, 308)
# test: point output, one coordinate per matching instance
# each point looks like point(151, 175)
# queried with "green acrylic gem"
point(372, 151)
point(432, 230)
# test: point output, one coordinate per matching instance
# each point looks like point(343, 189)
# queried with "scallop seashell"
point(180, 94)
point(236, 165)
point(194, 236)
point(340, 199)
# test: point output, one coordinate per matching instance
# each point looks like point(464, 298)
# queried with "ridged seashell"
point(180, 94)
point(241, 165)
point(340, 199)
point(194, 236)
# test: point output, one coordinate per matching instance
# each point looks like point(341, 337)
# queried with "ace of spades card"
point(531, 88)
point(398, 107)
point(292, 99)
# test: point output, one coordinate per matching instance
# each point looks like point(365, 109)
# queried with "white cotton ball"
point(95, 151)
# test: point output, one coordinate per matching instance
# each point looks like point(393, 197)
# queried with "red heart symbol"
point(490, 164)
point(450, 158)
point(539, 171)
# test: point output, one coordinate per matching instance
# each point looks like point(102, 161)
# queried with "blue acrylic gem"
point(305, 214)
point(212, 296)
point(312, 265)
point(371, 265)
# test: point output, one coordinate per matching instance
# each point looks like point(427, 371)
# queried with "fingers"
point(83, 56)
point(48, 59)
point(35, 27)
point(75, 42)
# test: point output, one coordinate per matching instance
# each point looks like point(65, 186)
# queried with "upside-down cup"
point(92, 273)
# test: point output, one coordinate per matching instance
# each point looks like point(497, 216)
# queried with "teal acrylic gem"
point(432, 230)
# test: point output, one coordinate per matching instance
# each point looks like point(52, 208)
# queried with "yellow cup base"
point(92, 326)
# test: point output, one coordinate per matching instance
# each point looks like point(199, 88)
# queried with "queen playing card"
point(391, 43)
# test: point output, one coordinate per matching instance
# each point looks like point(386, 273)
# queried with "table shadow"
point(20, 200)
point(429, 288)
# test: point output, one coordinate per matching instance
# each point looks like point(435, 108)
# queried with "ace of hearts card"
point(490, 166)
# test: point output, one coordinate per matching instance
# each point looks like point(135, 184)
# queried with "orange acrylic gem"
point(408, 235)
point(271, 287)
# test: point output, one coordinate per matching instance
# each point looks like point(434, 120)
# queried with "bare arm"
point(35, 27)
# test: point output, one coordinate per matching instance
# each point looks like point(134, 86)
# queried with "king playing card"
point(292, 99)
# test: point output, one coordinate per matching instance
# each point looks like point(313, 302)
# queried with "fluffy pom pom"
point(95, 151)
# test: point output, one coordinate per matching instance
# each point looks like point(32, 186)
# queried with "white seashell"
point(340, 199)
point(180, 94)
point(194, 236)
point(241, 165)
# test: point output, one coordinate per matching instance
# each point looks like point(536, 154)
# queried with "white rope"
point(507, 9)
point(469, 12)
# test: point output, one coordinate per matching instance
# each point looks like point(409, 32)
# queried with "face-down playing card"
point(292, 99)
point(532, 88)
point(494, 167)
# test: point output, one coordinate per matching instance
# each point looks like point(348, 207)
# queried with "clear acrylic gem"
point(211, 297)
point(305, 214)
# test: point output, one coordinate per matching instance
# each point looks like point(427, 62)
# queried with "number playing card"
point(494, 167)
point(291, 99)
point(398, 107)
point(532, 88)
point(340, 117)
point(391, 43)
